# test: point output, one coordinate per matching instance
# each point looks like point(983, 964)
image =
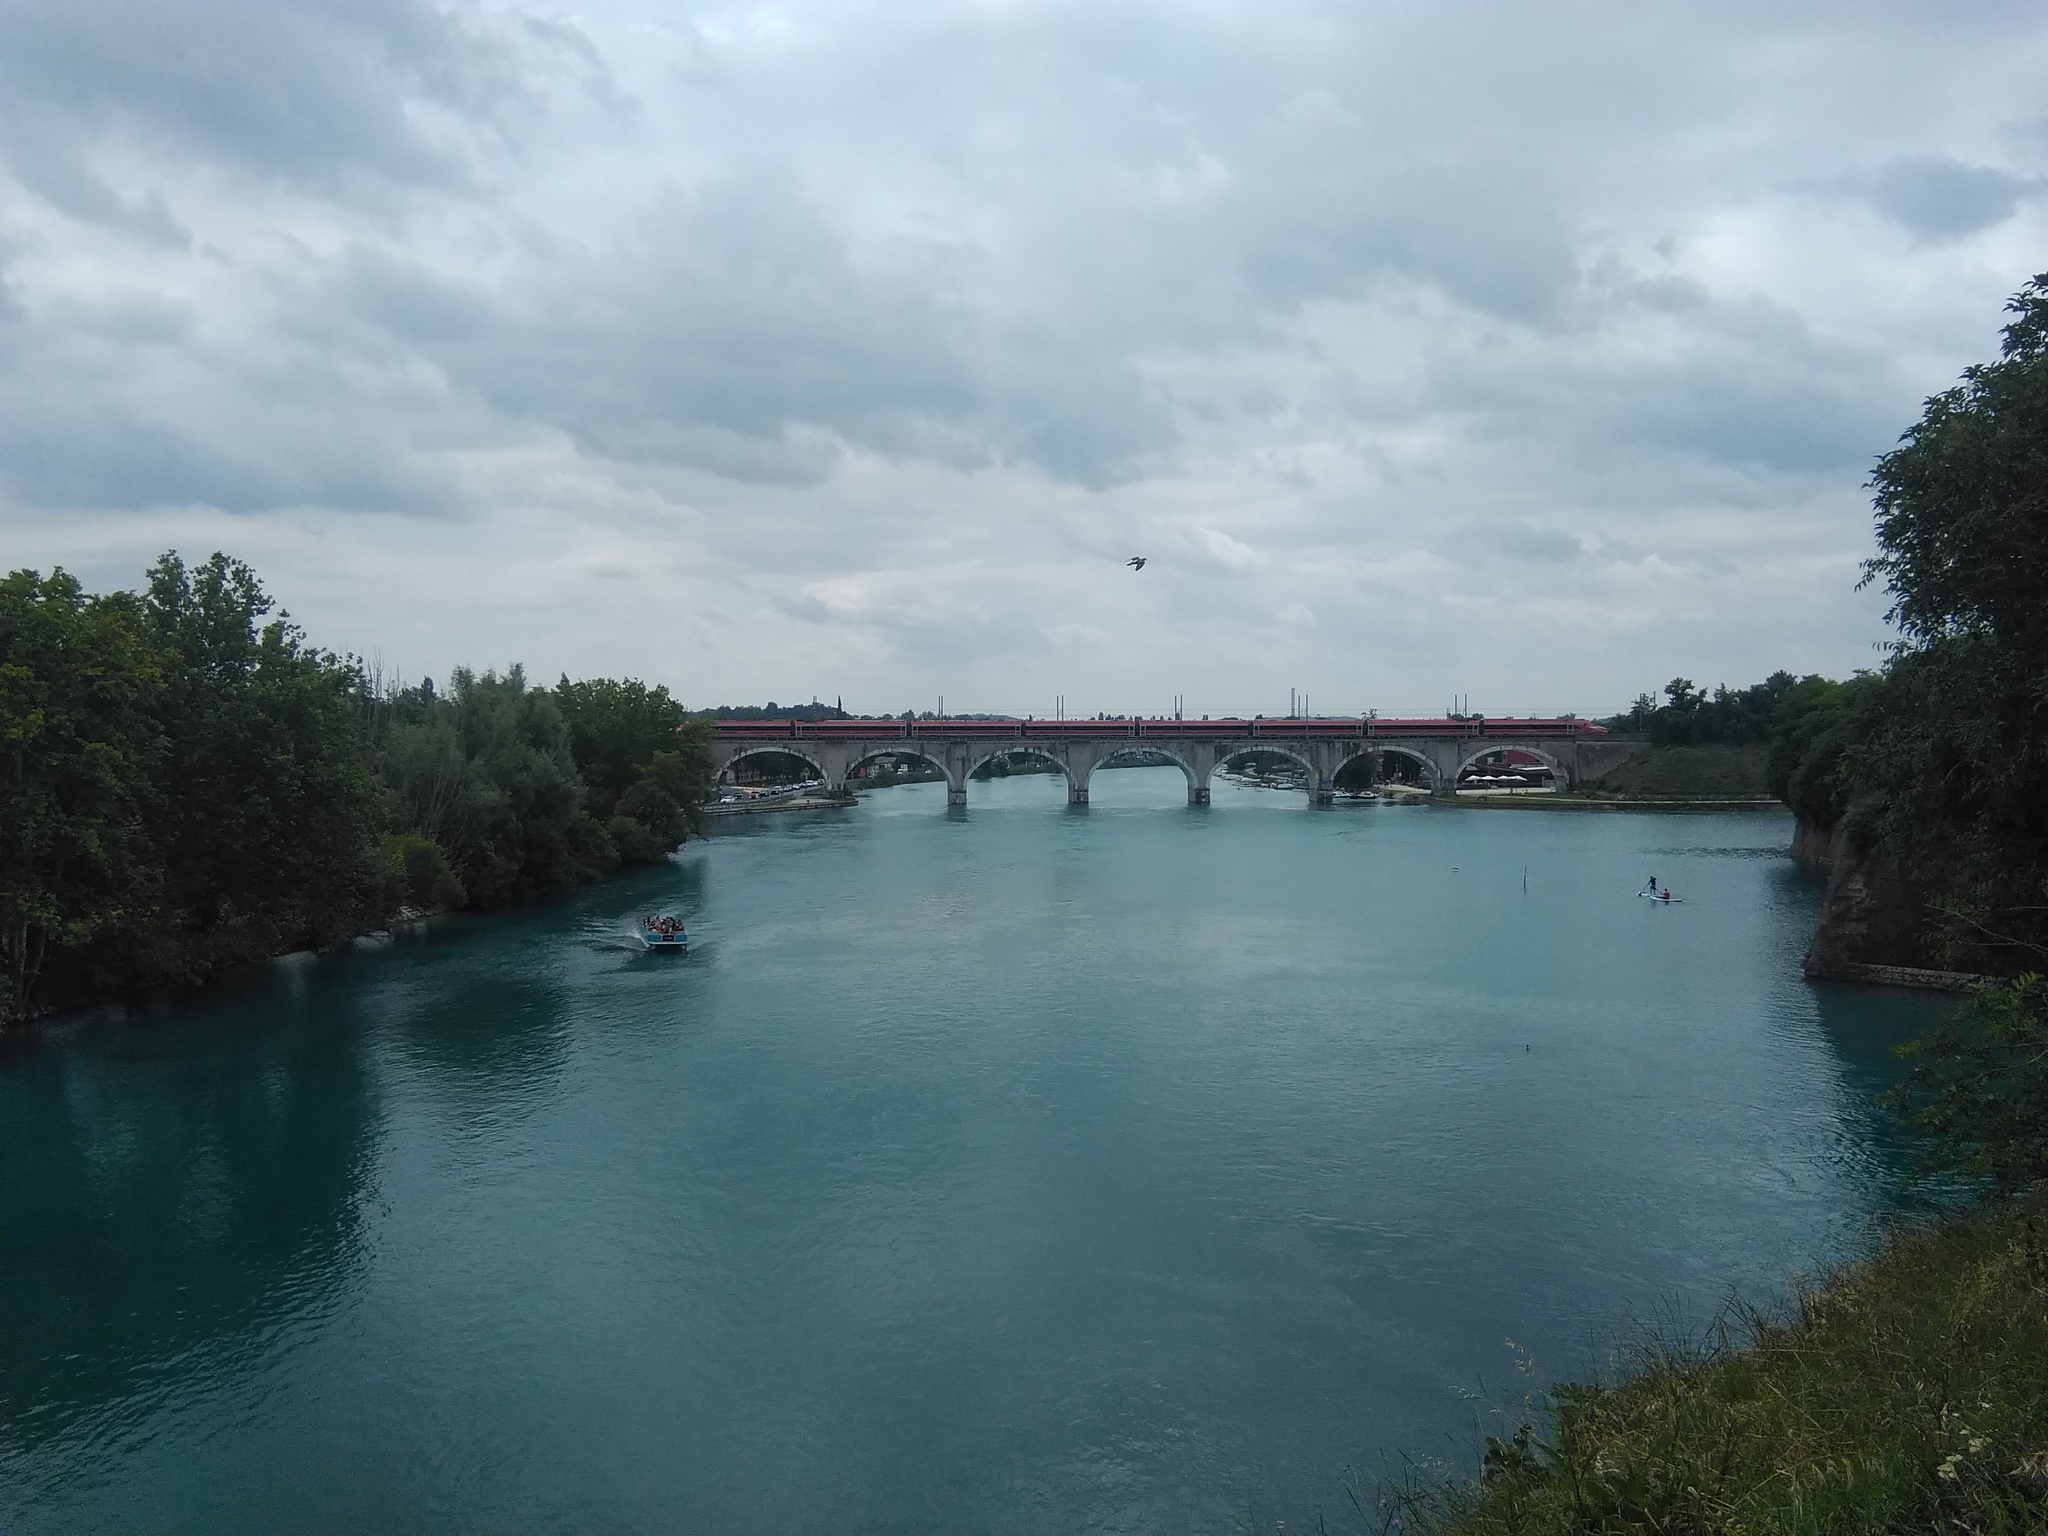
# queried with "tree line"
point(189, 785)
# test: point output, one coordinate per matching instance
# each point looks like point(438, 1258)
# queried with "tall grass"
point(1908, 1393)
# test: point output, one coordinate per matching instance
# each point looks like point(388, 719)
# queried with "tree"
point(269, 824)
point(486, 772)
point(78, 681)
point(1953, 776)
point(646, 764)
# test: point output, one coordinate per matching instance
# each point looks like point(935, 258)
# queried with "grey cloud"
point(1745, 383)
point(127, 402)
point(731, 325)
point(948, 290)
point(1943, 199)
point(315, 92)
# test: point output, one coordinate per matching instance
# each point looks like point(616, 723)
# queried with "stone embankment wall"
point(1873, 919)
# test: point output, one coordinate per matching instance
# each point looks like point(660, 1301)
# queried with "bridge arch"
point(773, 748)
point(907, 748)
point(1230, 753)
point(1432, 776)
point(1560, 777)
point(1196, 781)
point(1368, 752)
point(1014, 749)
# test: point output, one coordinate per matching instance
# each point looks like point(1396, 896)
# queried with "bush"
point(1909, 1394)
point(419, 875)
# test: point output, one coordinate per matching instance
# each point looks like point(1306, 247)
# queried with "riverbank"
point(1552, 800)
point(793, 803)
point(1908, 1392)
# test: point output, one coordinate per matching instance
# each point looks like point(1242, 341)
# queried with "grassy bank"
point(1701, 773)
point(1908, 1393)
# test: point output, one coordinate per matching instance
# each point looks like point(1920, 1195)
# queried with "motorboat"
point(665, 935)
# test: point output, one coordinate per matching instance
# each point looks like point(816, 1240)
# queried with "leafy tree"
point(646, 763)
point(78, 682)
point(1954, 773)
point(1818, 732)
point(419, 876)
point(269, 822)
point(1692, 716)
point(186, 784)
point(488, 775)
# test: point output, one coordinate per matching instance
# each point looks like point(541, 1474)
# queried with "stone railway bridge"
point(1573, 750)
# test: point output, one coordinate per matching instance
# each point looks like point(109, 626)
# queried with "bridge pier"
point(1198, 794)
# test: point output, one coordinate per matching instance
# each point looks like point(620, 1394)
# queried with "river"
point(1026, 1169)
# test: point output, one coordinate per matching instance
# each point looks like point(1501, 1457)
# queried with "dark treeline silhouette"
point(774, 711)
point(1690, 716)
point(187, 785)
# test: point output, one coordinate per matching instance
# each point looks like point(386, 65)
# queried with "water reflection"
point(172, 1187)
point(477, 1028)
point(1866, 1026)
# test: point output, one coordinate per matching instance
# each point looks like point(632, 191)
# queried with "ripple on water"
point(1135, 1167)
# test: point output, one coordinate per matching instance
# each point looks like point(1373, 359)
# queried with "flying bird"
point(1136, 562)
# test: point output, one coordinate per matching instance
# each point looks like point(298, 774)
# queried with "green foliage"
point(418, 875)
point(1951, 777)
point(269, 835)
point(1818, 733)
point(1909, 1394)
point(487, 773)
point(185, 784)
point(1691, 717)
point(1980, 1088)
point(79, 680)
point(645, 762)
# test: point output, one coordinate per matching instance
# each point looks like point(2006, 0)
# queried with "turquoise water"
point(1135, 1168)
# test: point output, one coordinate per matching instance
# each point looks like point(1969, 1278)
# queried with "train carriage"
point(854, 730)
point(1000, 730)
point(1092, 730)
point(1298, 728)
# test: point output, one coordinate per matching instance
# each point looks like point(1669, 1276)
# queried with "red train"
point(1472, 726)
point(851, 730)
point(1002, 730)
point(1480, 725)
point(1072, 729)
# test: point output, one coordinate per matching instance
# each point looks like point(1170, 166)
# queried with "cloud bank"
point(1532, 354)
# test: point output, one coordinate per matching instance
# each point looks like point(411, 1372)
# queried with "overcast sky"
point(1532, 352)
